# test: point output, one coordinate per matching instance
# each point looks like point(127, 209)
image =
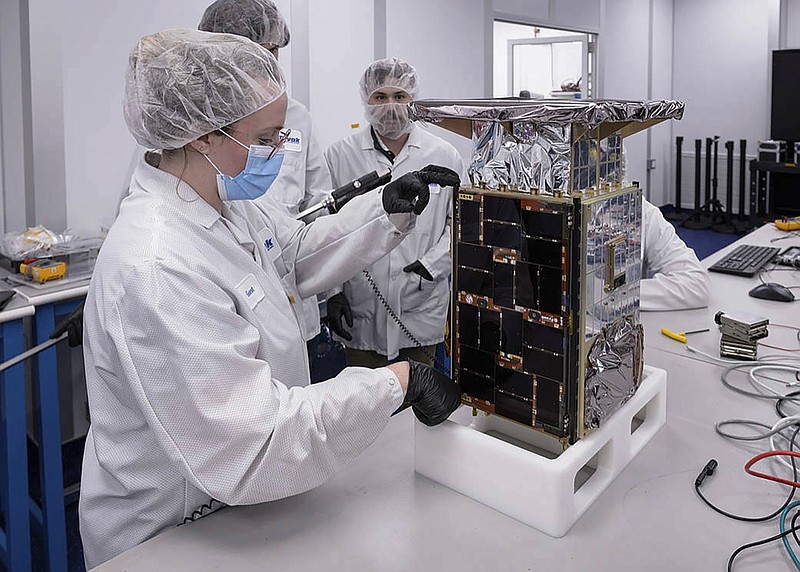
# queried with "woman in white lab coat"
point(191, 335)
point(413, 278)
point(673, 278)
point(304, 179)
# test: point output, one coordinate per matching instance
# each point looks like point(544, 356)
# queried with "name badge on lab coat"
point(294, 143)
point(250, 290)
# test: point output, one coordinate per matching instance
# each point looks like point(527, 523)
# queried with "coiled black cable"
point(204, 510)
point(400, 324)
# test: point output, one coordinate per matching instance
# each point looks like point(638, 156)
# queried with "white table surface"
point(66, 292)
point(379, 515)
point(18, 307)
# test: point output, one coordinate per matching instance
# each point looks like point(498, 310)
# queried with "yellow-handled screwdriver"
point(680, 336)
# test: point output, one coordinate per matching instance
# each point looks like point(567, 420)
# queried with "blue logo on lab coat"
point(268, 244)
point(250, 291)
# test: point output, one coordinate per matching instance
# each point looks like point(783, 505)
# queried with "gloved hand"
point(410, 192)
point(73, 324)
point(432, 395)
point(418, 268)
point(338, 308)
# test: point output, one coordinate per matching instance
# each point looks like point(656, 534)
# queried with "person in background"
point(413, 278)
point(672, 276)
point(304, 177)
point(191, 340)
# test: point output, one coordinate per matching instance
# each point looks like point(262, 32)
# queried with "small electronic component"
point(789, 257)
point(740, 334)
point(742, 326)
point(734, 348)
point(43, 270)
point(788, 224)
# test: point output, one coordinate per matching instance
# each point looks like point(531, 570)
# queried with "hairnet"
point(258, 20)
point(392, 72)
point(182, 84)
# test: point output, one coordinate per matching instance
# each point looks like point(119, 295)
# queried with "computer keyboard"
point(745, 260)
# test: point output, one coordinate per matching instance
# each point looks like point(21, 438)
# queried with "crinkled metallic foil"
point(535, 156)
point(613, 369)
point(589, 113)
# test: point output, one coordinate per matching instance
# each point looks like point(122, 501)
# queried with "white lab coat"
point(303, 182)
point(420, 304)
point(679, 282)
point(191, 339)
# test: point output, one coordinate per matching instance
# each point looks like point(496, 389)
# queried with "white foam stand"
point(524, 474)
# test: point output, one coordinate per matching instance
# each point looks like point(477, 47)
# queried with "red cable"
point(778, 347)
point(762, 456)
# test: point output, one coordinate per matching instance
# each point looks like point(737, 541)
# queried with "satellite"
point(546, 247)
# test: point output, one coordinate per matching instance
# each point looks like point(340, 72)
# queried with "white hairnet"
point(392, 72)
point(258, 20)
point(182, 84)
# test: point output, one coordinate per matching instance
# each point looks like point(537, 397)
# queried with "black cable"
point(708, 470)
point(794, 530)
point(779, 404)
point(402, 326)
point(204, 510)
point(744, 547)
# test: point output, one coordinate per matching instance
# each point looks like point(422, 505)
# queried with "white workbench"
point(378, 515)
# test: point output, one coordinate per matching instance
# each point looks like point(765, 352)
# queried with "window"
point(543, 61)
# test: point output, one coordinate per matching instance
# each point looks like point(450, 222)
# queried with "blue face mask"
point(262, 168)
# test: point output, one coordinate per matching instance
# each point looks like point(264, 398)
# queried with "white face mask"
point(389, 119)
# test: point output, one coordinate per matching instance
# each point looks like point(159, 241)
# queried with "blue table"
point(50, 307)
point(15, 544)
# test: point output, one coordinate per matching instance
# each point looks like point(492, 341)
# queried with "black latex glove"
point(338, 308)
point(432, 395)
point(410, 192)
point(418, 268)
point(73, 324)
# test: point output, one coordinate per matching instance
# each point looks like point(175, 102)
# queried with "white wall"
point(624, 68)
point(662, 140)
point(721, 70)
point(450, 62)
point(97, 145)
point(341, 46)
point(47, 107)
point(577, 15)
point(792, 23)
point(16, 161)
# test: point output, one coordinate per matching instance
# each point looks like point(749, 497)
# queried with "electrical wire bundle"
point(787, 456)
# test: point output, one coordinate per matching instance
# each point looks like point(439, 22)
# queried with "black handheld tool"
point(338, 197)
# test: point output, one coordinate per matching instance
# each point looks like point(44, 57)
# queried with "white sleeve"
point(318, 179)
point(228, 426)
point(332, 249)
point(330, 157)
point(679, 282)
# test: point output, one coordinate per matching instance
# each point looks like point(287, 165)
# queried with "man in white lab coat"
point(677, 280)
point(413, 278)
point(196, 366)
point(304, 177)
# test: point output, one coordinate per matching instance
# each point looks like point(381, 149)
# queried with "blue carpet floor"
point(703, 242)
